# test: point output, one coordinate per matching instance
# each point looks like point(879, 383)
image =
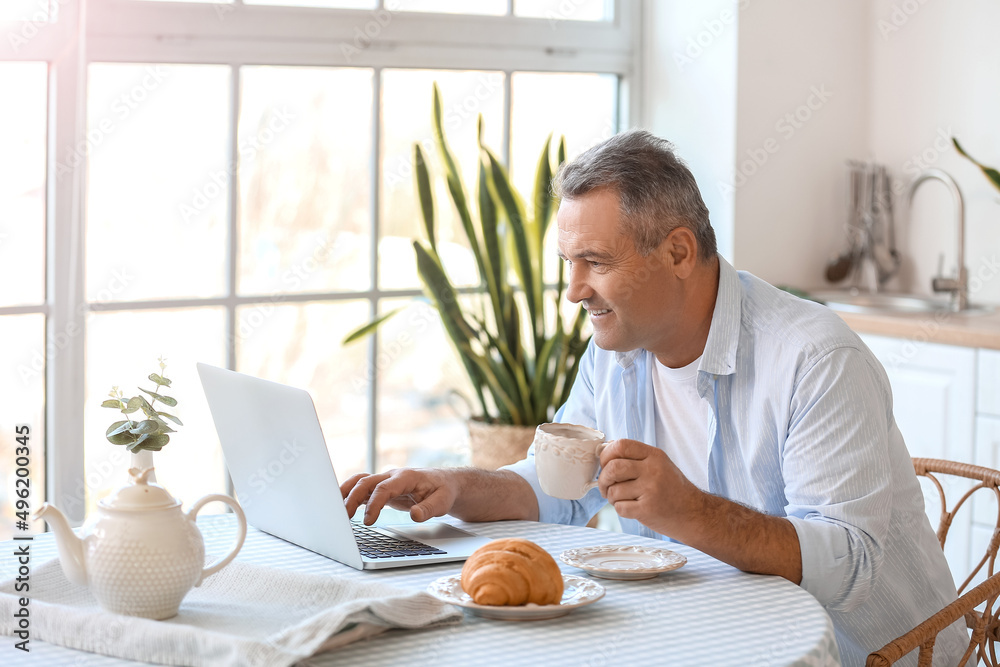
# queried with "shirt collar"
point(719, 357)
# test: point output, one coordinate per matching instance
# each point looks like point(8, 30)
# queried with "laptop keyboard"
point(374, 544)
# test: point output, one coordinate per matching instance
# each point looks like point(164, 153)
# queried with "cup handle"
point(241, 536)
point(593, 485)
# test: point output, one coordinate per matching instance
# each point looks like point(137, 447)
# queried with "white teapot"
point(144, 553)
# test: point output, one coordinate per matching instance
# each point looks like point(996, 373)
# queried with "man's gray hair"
point(656, 190)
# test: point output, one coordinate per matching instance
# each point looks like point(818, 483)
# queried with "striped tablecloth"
point(706, 613)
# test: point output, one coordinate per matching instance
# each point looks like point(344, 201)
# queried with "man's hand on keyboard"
point(425, 493)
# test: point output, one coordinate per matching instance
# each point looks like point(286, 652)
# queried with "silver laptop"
point(281, 469)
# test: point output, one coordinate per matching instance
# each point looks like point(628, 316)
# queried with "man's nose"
point(577, 289)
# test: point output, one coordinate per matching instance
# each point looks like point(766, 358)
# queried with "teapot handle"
point(242, 532)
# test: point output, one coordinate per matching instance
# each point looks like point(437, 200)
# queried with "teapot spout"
point(70, 546)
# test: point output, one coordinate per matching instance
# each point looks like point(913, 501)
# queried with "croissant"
point(512, 572)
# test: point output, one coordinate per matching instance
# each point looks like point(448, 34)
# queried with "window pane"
point(305, 200)
point(22, 182)
point(214, 2)
point(406, 119)
point(581, 107)
point(122, 350)
point(492, 7)
point(299, 345)
point(566, 10)
point(421, 422)
point(22, 395)
point(36, 11)
point(158, 181)
point(342, 4)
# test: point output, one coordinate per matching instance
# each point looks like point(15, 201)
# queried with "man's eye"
point(595, 265)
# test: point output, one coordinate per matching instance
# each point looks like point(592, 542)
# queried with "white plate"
point(617, 561)
point(577, 592)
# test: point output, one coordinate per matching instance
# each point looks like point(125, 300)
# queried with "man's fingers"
point(628, 509)
point(436, 504)
point(625, 449)
point(363, 487)
point(623, 491)
point(617, 471)
point(346, 487)
point(390, 487)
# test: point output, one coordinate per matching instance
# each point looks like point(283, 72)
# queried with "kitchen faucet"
point(959, 285)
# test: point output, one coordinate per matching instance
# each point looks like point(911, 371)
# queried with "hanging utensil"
point(841, 266)
point(890, 224)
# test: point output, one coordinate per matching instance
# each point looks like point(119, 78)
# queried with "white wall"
point(936, 73)
point(902, 76)
point(802, 111)
point(689, 82)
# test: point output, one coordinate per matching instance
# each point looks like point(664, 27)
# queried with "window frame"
point(94, 31)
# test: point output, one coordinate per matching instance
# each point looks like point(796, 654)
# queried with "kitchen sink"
point(854, 301)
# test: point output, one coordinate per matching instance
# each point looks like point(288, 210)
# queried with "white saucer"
point(616, 561)
point(577, 592)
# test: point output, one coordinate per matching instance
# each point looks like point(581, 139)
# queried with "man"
point(744, 422)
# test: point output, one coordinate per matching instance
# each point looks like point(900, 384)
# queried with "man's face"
point(630, 298)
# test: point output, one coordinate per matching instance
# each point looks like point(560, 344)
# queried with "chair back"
point(923, 637)
point(986, 480)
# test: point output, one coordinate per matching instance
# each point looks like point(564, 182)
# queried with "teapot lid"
point(140, 494)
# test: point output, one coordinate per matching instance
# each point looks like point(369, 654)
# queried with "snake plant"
point(992, 174)
point(517, 348)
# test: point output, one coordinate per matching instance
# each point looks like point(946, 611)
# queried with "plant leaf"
point(171, 418)
point(144, 427)
point(543, 192)
point(491, 241)
point(117, 427)
point(519, 228)
point(425, 194)
point(445, 299)
point(990, 172)
point(544, 380)
point(147, 409)
point(569, 360)
point(152, 442)
point(134, 403)
point(113, 403)
point(514, 380)
point(159, 380)
point(121, 439)
point(367, 329)
point(454, 181)
point(166, 400)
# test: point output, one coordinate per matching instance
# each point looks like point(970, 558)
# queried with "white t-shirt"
point(682, 420)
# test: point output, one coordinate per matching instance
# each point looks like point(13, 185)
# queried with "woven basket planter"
point(496, 445)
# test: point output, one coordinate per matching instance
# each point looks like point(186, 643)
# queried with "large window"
point(232, 184)
point(23, 147)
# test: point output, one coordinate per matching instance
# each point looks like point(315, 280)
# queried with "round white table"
point(705, 613)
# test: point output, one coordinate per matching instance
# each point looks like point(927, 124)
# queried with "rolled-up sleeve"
point(836, 467)
point(578, 409)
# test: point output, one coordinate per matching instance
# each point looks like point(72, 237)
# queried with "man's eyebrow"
point(588, 255)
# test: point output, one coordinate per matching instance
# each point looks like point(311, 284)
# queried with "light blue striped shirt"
point(801, 427)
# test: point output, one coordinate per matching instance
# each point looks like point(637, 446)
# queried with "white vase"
point(144, 459)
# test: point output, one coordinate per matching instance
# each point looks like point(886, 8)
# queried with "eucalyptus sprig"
point(150, 433)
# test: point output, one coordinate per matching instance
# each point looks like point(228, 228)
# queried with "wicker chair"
point(925, 634)
point(984, 624)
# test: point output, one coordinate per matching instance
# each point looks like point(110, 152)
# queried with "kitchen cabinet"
point(988, 386)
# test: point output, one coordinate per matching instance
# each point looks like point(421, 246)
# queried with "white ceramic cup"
point(567, 457)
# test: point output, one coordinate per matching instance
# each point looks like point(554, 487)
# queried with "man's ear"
point(681, 251)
